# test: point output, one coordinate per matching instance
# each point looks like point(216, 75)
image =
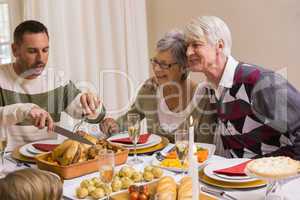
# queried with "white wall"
point(265, 32)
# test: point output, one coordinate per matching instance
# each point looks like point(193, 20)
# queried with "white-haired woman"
point(258, 110)
point(168, 99)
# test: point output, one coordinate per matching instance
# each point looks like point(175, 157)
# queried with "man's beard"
point(34, 70)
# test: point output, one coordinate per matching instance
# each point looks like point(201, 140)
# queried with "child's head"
point(30, 184)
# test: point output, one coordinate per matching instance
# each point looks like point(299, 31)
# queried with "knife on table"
point(71, 135)
point(170, 147)
point(217, 193)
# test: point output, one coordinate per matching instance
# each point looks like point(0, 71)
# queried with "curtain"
point(99, 44)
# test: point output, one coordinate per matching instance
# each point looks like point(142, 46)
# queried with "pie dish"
point(273, 167)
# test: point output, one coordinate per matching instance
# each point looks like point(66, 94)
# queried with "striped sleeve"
point(14, 113)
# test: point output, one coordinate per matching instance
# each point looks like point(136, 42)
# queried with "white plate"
point(152, 140)
point(33, 150)
point(211, 150)
point(233, 177)
point(29, 151)
point(209, 171)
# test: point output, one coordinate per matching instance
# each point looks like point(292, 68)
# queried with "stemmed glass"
point(3, 143)
point(133, 120)
point(274, 186)
point(182, 145)
point(274, 190)
point(93, 118)
point(106, 159)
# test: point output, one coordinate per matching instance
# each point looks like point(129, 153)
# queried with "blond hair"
point(212, 28)
point(30, 184)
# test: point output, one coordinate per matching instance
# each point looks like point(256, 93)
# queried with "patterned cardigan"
point(146, 104)
point(260, 114)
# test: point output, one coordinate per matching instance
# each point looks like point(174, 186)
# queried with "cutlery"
point(80, 123)
point(71, 135)
point(218, 193)
point(67, 198)
point(159, 156)
point(167, 149)
point(18, 163)
point(94, 118)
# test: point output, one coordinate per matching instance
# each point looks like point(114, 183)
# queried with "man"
point(30, 98)
point(258, 110)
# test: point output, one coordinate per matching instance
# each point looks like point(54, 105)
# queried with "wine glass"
point(106, 159)
point(274, 177)
point(182, 145)
point(274, 190)
point(133, 120)
point(81, 125)
point(3, 143)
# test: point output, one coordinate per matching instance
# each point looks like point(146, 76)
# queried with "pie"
point(273, 167)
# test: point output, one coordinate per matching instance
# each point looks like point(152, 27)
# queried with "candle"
point(195, 179)
point(193, 165)
point(191, 144)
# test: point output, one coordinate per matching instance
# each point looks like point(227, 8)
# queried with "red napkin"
point(45, 147)
point(143, 139)
point(237, 170)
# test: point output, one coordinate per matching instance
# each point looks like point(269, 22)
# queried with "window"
point(5, 54)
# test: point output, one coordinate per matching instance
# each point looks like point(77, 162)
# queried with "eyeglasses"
point(161, 65)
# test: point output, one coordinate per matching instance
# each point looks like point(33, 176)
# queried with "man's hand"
point(108, 126)
point(90, 103)
point(41, 118)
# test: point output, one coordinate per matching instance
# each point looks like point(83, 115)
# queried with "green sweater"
point(18, 96)
point(146, 105)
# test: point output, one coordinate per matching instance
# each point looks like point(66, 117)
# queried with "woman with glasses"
point(169, 98)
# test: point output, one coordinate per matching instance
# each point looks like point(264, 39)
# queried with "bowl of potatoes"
point(96, 189)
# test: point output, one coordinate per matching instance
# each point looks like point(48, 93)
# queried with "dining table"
point(290, 186)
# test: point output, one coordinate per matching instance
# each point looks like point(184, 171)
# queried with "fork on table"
point(18, 163)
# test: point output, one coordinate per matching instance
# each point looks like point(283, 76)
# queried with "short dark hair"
point(29, 26)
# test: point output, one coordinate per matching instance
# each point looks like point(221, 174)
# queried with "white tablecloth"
point(291, 189)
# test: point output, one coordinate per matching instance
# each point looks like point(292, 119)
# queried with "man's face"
point(31, 54)
point(201, 55)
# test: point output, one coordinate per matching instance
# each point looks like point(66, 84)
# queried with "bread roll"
point(166, 189)
point(185, 188)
